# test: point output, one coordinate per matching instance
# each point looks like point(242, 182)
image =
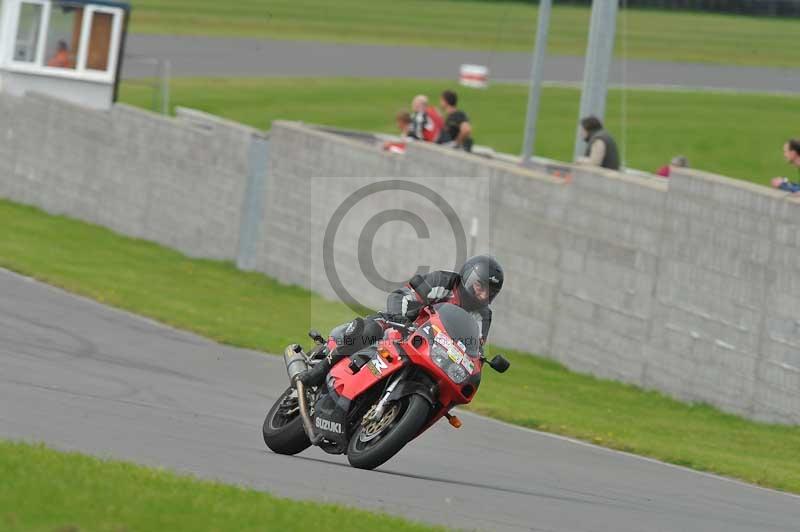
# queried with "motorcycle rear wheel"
point(283, 427)
point(403, 428)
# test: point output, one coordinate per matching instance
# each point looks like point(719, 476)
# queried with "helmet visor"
point(481, 290)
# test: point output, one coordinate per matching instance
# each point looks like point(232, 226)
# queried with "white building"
point(70, 49)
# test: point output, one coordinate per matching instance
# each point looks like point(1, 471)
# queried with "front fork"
point(381, 405)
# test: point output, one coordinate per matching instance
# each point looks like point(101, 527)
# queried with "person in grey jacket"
point(601, 148)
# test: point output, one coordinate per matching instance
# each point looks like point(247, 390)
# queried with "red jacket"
point(428, 125)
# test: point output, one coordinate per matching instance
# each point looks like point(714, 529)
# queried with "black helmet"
point(480, 280)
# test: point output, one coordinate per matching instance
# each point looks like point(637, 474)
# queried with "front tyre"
point(283, 427)
point(376, 441)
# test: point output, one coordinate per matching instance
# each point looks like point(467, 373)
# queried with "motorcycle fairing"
point(350, 385)
point(330, 420)
point(342, 386)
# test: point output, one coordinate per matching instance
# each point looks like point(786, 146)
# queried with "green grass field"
point(250, 310)
point(488, 26)
point(45, 490)
point(732, 134)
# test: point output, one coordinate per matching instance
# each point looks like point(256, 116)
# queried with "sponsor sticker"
point(376, 366)
point(372, 369)
point(443, 340)
point(454, 354)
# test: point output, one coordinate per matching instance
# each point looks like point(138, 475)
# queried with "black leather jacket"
point(435, 287)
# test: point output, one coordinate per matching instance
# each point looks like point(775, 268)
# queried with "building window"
point(30, 21)
point(67, 39)
point(100, 41)
point(63, 35)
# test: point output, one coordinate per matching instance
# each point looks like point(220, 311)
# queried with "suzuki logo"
point(328, 425)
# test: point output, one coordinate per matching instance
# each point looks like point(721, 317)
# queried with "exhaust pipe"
point(296, 363)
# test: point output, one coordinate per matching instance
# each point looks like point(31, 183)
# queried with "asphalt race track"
point(82, 376)
point(233, 57)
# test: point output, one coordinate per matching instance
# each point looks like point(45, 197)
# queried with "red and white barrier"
point(475, 76)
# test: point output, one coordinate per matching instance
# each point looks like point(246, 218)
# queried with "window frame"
point(44, 15)
point(80, 72)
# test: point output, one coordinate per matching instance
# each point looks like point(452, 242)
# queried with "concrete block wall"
point(685, 286)
point(688, 286)
point(315, 184)
point(777, 378)
point(607, 274)
point(172, 181)
point(527, 213)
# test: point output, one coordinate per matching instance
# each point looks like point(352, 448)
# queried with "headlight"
point(457, 373)
point(454, 370)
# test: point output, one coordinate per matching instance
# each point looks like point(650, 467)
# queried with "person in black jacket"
point(457, 128)
point(473, 288)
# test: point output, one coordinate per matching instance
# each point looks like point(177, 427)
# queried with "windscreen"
point(461, 327)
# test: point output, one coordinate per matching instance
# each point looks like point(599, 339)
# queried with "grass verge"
point(739, 135)
point(47, 490)
point(490, 26)
point(250, 310)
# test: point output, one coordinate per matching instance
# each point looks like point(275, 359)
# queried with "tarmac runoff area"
point(81, 376)
point(191, 56)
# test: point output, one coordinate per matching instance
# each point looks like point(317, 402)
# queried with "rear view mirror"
point(500, 364)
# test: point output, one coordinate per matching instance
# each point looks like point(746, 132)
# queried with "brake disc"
point(371, 428)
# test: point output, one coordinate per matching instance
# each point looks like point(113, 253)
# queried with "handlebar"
point(387, 319)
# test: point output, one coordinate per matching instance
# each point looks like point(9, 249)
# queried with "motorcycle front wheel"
point(283, 427)
point(376, 441)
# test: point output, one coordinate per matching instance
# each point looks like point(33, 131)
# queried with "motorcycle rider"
point(473, 288)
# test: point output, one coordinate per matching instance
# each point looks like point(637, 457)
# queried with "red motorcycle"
point(379, 399)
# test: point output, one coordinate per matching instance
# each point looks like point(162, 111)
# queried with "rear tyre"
point(283, 427)
point(373, 444)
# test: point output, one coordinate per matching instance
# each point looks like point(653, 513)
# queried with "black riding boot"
point(315, 376)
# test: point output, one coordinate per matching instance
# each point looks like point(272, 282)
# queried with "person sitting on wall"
point(427, 122)
point(601, 149)
point(791, 152)
point(679, 161)
point(457, 129)
point(61, 59)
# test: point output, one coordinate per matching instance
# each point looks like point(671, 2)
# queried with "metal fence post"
point(599, 54)
point(254, 204)
point(166, 72)
point(537, 75)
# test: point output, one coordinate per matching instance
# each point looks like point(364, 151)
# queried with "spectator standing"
point(601, 149)
point(457, 128)
point(427, 122)
point(679, 161)
point(791, 152)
